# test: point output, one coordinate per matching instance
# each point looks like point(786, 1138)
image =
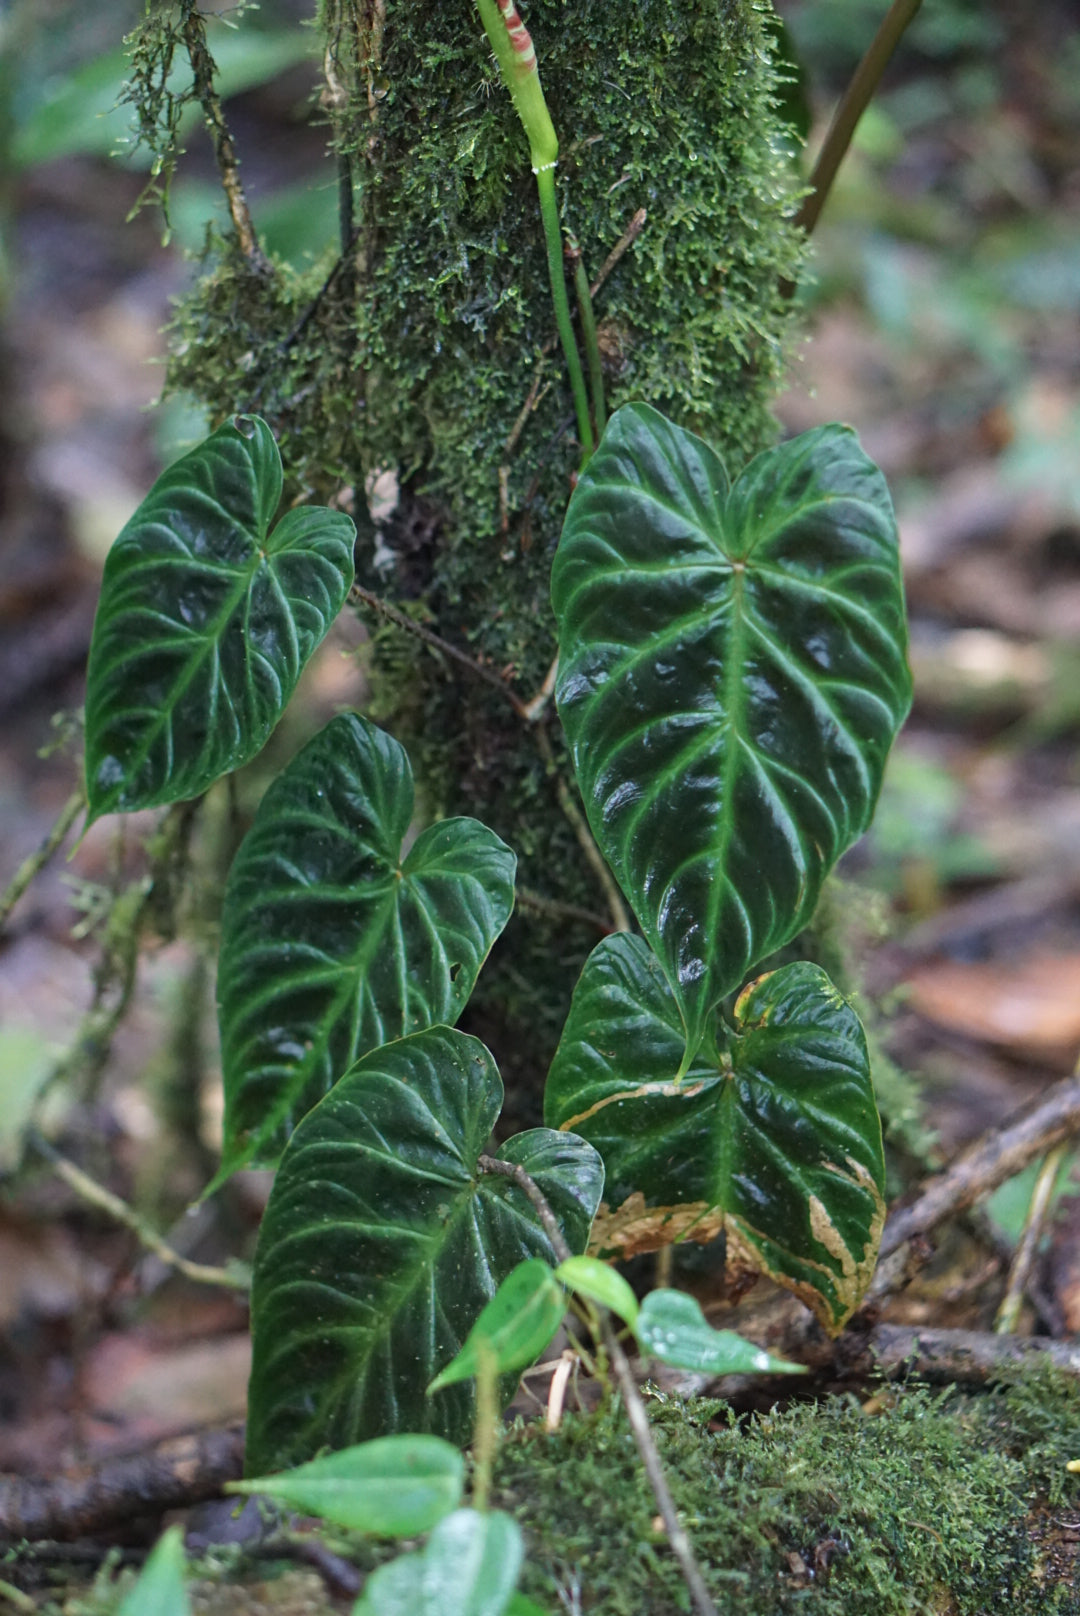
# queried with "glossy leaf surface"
point(160, 1590)
point(597, 1280)
point(772, 1137)
point(396, 1486)
point(732, 674)
point(468, 1567)
point(333, 941)
point(672, 1327)
point(382, 1242)
point(205, 621)
point(514, 1327)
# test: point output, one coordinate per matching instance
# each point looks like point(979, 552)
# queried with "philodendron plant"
point(732, 673)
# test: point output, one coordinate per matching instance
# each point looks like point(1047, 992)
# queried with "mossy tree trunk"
point(426, 351)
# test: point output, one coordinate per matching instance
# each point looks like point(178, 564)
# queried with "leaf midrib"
point(210, 639)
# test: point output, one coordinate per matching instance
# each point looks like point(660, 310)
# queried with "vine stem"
point(32, 866)
point(403, 621)
point(202, 67)
point(95, 1194)
point(624, 1375)
point(588, 332)
point(516, 57)
point(853, 103)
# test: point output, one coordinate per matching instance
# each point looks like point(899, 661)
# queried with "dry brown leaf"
point(1030, 1008)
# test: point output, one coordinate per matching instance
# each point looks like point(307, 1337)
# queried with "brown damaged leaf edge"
point(634, 1229)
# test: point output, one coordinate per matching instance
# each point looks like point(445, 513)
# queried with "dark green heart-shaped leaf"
point(772, 1137)
point(672, 1327)
point(332, 941)
point(514, 1327)
point(382, 1242)
point(205, 621)
point(468, 1567)
point(396, 1486)
point(732, 675)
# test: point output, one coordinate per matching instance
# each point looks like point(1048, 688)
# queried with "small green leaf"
point(732, 673)
point(600, 1283)
point(514, 1327)
point(396, 1589)
point(396, 1486)
point(334, 942)
point(672, 1327)
point(772, 1138)
point(521, 1605)
point(160, 1589)
point(468, 1568)
point(205, 621)
point(383, 1241)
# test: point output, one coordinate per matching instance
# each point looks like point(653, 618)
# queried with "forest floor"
point(944, 325)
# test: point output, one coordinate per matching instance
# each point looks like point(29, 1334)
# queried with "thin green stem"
point(514, 52)
point(486, 1431)
point(36, 861)
point(96, 1195)
point(592, 346)
point(549, 212)
point(853, 104)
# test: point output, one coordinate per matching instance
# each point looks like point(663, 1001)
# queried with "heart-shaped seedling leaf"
point(382, 1242)
point(732, 673)
point(396, 1486)
point(672, 1327)
point(334, 941)
point(772, 1138)
point(514, 1327)
point(205, 621)
point(588, 1276)
point(468, 1567)
point(160, 1589)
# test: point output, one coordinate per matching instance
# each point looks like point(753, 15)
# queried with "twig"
point(528, 1186)
point(970, 1356)
point(536, 705)
point(403, 621)
point(117, 970)
point(535, 395)
point(999, 1154)
point(557, 910)
point(32, 866)
point(627, 239)
point(202, 67)
point(170, 1475)
point(95, 1194)
point(650, 1458)
point(853, 104)
point(1009, 1311)
point(635, 1408)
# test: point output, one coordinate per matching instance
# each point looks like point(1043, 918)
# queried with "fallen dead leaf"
point(1030, 1008)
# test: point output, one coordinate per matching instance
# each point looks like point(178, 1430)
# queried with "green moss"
point(936, 1504)
point(420, 352)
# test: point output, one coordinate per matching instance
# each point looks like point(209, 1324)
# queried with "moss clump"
point(938, 1504)
point(419, 351)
